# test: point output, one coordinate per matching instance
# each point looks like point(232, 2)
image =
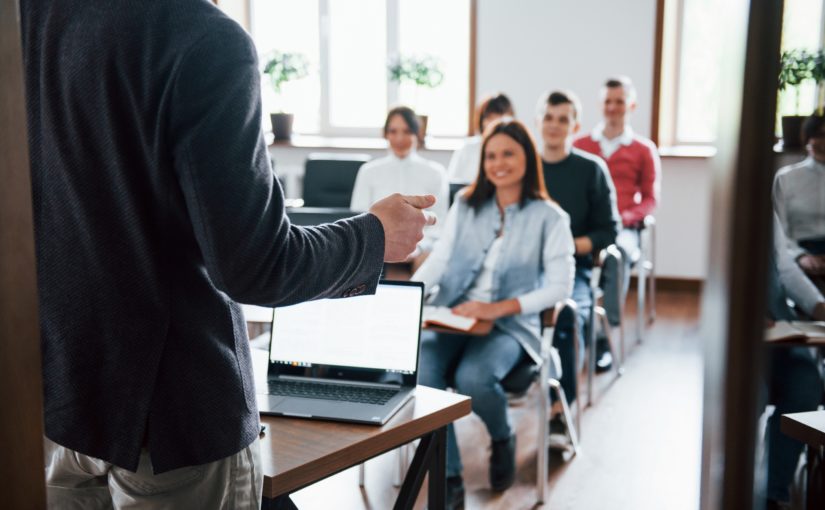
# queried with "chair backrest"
point(329, 178)
point(454, 188)
point(519, 379)
point(309, 216)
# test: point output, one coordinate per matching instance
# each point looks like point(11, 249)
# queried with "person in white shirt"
point(402, 171)
point(799, 200)
point(466, 161)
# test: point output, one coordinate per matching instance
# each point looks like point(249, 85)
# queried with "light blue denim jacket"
point(535, 264)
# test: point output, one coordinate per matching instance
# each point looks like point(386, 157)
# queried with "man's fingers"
point(419, 201)
point(430, 217)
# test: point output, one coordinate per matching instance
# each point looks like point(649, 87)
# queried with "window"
point(689, 101)
point(801, 29)
point(348, 44)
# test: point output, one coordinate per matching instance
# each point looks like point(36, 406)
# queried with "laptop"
point(352, 359)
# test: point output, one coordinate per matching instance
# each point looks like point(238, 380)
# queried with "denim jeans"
point(474, 366)
point(628, 242)
point(795, 386)
point(563, 335)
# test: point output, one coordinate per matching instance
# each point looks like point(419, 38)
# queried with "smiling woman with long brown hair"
point(505, 254)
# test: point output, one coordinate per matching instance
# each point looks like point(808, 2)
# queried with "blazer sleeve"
point(236, 207)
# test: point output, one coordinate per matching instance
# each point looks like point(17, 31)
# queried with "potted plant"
point(424, 71)
point(283, 67)
point(818, 75)
point(796, 67)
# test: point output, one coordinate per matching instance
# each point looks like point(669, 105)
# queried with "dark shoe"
point(503, 464)
point(604, 360)
point(455, 493)
point(558, 427)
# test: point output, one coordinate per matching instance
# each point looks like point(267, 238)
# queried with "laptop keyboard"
point(339, 392)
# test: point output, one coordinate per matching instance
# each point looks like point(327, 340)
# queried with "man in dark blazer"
point(155, 212)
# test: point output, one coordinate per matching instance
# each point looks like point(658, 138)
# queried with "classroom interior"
point(679, 420)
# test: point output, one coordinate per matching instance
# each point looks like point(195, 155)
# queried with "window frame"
point(668, 45)
point(326, 128)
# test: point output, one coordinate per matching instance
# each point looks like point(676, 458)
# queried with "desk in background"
point(810, 429)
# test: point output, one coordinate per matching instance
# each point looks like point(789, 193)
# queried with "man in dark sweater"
point(155, 211)
point(581, 185)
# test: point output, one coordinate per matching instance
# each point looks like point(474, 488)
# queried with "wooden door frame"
point(734, 297)
point(21, 394)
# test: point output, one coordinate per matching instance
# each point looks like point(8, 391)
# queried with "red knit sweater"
point(636, 171)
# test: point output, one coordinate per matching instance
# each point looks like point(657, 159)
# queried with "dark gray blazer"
point(155, 210)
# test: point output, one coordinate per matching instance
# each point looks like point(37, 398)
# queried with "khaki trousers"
point(77, 481)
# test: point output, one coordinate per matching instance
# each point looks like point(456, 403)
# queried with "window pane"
point(289, 26)
point(447, 38)
point(357, 63)
point(801, 29)
point(698, 95)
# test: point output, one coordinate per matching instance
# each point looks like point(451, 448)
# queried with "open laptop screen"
point(377, 332)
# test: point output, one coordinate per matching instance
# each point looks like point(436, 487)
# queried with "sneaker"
point(503, 464)
point(604, 360)
point(455, 493)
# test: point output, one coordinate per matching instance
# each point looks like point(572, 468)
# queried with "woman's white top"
point(412, 175)
point(799, 200)
point(465, 163)
point(482, 289)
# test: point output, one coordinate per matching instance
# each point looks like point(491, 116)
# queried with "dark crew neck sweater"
point(582, 186)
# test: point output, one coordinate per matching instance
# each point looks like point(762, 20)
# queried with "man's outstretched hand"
point(403, 219)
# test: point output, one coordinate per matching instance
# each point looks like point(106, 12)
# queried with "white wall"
point(530, 46)
point(527, 47)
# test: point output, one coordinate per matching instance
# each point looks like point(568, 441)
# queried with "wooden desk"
point(810, 429)
point(297, 452)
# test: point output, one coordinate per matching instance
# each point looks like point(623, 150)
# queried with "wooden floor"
point(640, 445)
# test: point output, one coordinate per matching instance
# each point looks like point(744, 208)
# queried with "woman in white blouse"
point(402, 171)
point(465, 162)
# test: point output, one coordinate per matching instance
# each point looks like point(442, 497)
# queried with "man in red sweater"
point(636, 170)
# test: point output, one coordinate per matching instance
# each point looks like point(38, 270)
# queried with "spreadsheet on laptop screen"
point(378, 331)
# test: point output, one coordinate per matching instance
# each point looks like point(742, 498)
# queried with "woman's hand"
point(488, 311)
point(812, 264)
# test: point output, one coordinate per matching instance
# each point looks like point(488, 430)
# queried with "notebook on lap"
point(353, 359)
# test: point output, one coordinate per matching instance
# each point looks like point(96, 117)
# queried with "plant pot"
point(281, 125)
point(792, 131)
point(422, 129)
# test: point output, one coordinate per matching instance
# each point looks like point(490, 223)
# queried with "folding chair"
point(598, 312)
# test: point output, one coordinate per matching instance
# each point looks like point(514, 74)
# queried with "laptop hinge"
point(344, 382)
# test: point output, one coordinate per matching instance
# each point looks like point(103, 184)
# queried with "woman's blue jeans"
point(474, 366)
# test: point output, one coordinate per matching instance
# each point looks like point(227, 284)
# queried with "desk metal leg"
point(430, 457)
point(437, 484)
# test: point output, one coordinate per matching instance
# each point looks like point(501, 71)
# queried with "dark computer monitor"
point(311, 216)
